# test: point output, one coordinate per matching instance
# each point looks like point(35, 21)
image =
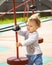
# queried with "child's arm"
point(20, 32)
point(23, 33)
point(30, 40)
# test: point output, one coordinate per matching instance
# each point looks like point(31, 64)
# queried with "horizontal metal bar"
point(20, 12)
point(20, 5)
point(12, 26)
point(20, 24)
point(5, 30)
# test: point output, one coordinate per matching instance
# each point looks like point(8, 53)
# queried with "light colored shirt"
point(31, 42)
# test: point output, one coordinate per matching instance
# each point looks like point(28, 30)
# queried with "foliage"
point(19, 19)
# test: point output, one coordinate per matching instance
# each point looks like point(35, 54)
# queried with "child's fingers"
point(18, 44)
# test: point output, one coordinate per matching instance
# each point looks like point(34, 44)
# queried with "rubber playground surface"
point(8, 44)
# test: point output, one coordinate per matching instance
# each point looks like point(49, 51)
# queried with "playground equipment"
point(32, 6)
point(1, 1)
point(17, 60)
point(22, 24)
point(40, 5)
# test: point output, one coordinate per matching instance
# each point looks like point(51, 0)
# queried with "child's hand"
point(18, 44)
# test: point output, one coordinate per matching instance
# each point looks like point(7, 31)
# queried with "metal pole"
point(16, 34)
point(20, 5)
point(32, 4)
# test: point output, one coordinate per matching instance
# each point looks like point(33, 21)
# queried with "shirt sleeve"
point(30, 40)
point(20, 32)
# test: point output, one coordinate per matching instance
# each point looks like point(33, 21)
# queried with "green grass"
point(8, 20)
point(19, 19)
point(46, 17)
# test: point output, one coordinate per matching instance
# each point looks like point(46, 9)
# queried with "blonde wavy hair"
point(35, 17)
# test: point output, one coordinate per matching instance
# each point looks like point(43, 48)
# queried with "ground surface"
point(7, 39)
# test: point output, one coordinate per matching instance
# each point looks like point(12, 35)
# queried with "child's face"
point(32, 26)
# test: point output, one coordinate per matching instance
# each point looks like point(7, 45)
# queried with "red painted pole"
point(32, 4)
point(16, 34)
point(20, 5)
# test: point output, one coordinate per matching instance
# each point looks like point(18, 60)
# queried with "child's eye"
point(29, 25)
